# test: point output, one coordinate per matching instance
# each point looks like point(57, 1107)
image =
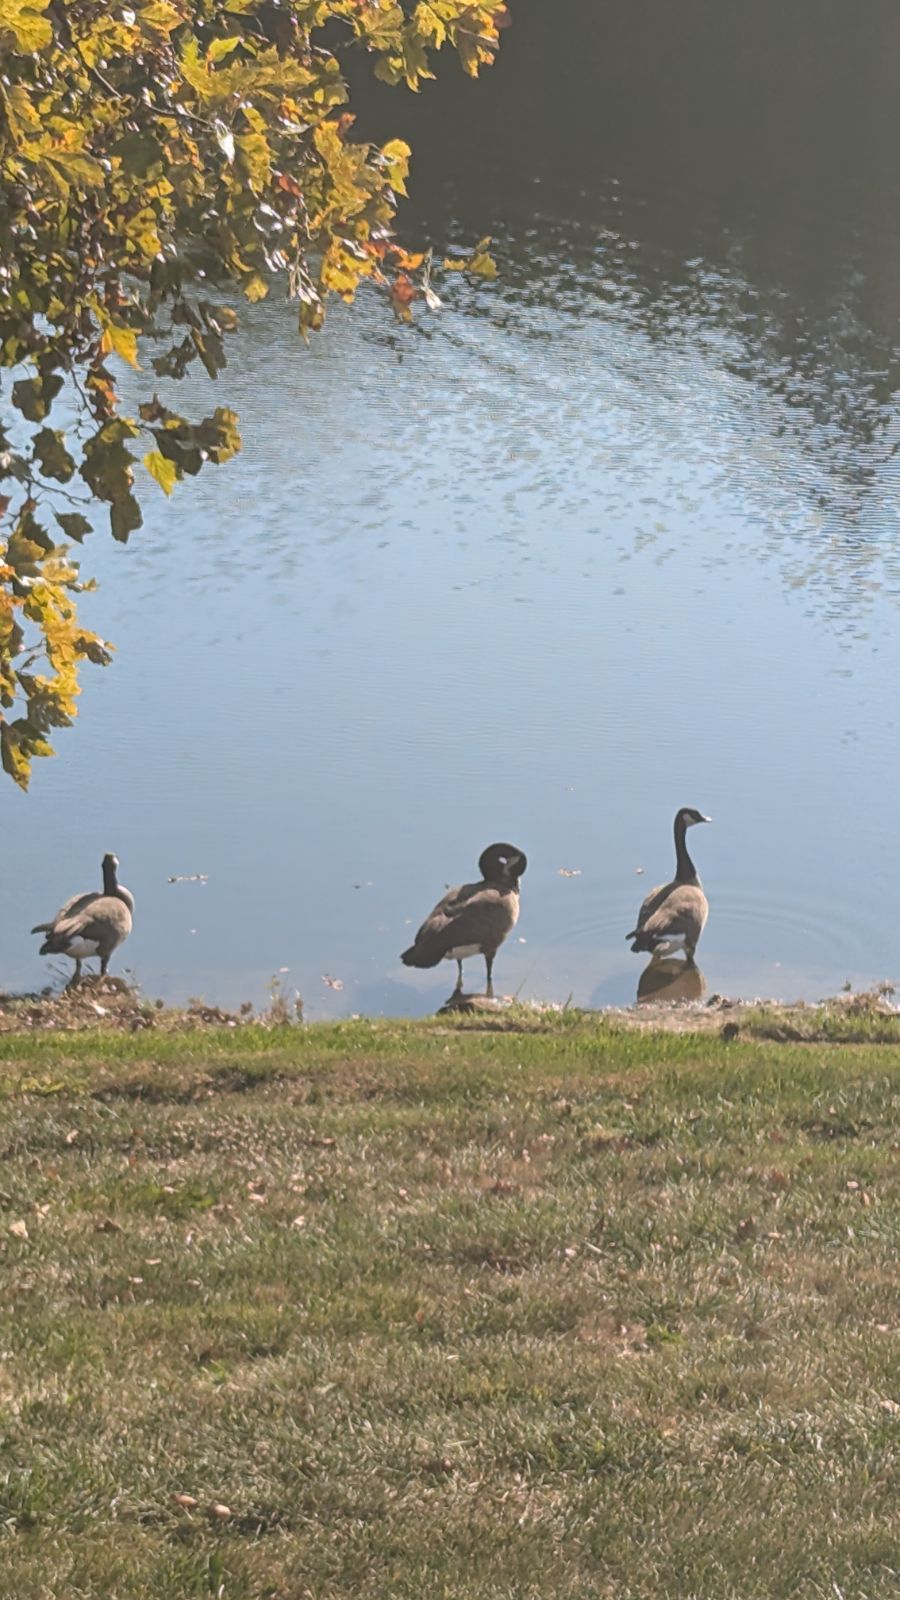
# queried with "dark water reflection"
point(616, 534)
point(670, 980)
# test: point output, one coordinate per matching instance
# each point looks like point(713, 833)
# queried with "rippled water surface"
point(615, 534)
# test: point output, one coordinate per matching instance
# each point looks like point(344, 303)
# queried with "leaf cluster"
point(158, 160)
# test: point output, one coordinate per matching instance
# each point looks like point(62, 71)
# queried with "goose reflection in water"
point(670, 980)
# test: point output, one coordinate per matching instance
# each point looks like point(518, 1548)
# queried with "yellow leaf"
point(483, 265)
point(220, 48)
point(395, 155)
point(164, 471)
point(256, 288)
point(158, 17)
point(121, 340)
point(22, 20)
point(14, 760)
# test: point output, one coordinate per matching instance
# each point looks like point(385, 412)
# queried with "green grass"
point(441, 1312)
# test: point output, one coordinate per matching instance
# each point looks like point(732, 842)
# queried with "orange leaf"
point(403, 258)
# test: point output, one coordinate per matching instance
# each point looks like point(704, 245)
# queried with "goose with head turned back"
point(92, 924)
point(473, 919)
point(673, 915)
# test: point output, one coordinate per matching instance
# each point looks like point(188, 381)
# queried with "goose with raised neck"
point(674, 914)
point(91, 924)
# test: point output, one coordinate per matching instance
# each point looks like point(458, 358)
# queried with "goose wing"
point(474, 914)
point(102, 920)
point(674, 909)
point(75, 904)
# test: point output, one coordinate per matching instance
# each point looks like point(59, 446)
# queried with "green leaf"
point(49, 450)
point(124, 516)
point(34, 396)
point(74, 525)
point(165, 472)
point(139, 153)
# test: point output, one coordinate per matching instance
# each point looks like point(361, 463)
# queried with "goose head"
point(502, 863)
point(689, 816)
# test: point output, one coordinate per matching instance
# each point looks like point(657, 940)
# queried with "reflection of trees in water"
point(694, 259)
point(718, 176)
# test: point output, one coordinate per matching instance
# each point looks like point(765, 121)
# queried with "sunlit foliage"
point(156, 156)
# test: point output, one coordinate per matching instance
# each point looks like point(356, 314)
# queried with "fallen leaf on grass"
point(186, 1500)
point(220, 1511)
point(20, 1229)
point(106, 1225)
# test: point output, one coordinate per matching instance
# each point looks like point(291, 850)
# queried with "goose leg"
point(489, 963)
point(458, 989)
point(76, 975)
point(104, 963)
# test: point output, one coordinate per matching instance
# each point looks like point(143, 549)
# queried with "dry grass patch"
point(415, 1310)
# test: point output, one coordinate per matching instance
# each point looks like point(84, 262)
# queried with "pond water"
point(615, 534)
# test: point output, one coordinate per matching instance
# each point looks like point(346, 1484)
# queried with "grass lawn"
point(390, 1310)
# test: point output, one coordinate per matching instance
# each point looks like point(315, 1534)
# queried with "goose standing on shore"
point(473, 919)
point(673, 916)
point(92, 924)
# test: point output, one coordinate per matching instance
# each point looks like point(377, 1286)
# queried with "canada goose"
point(92, 924)
point(474, 918)
point(673, 915)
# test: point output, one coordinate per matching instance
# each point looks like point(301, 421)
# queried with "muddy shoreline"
point(115, 1007)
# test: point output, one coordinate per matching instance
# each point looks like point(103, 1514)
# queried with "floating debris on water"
point(568, 872)
point(189, 877)
point(333, 983)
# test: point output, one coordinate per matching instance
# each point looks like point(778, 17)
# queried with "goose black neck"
point(685, 871)
point(110, 880)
